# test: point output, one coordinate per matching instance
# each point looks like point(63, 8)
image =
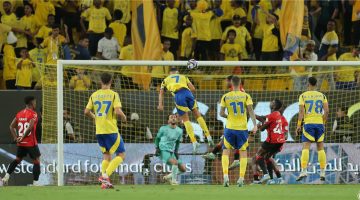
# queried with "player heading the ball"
point(181, 88)
point(103, 107)
point(236, 103)
point(314, 109)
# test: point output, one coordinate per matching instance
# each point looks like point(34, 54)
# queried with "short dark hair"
point(109, 30)
point(173, 69)
point(55, 26)
point(106, 78)
point(231, 31)
point(278, 104)
point(312, 81)
point(118, 14)
point(28, 100)
point(228, 78)
point(236, 80)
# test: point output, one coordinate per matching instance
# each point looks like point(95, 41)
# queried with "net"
point(139, 96)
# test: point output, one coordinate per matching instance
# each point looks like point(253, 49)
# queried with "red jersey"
point(23, 119)
point(275, 128)
point(285, 125)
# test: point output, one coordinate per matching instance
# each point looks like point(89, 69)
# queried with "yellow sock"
point(304, 158)
point(203, 126)
point(243, 165)
point(225, 164)
point(322, 159)
point(190, 131)
point(104, 165)
point(113, 165)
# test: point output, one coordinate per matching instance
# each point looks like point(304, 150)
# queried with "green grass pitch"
point(183, 192)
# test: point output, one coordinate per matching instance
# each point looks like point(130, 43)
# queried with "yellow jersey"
point(44, 32)
point(127, 53)
point(201, 24)
point(161, 71)
point(9, 72)
point(270, 41)
point(103, 103)
point(24, 74)
point(349, 74)
point(9, 20)
point(236, 102)
point(231, 51)
point(42, 10)
point(242, 36)
point(97, 18)
point(329, 40)
point(313, 103)
point(175, 82)
point(79, 85)
point(52, 48)
point(355, 11)
point(4, 29)
point(187, 37)
point(125, 7)
point(119, 31)
point(216, 30)
point(169, 23)
point(266, 6)
point(38, 56)
point(227, 9)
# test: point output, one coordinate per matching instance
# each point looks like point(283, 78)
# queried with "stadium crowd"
point(34, 33)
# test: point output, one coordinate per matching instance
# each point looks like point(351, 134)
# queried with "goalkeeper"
point(167, 143)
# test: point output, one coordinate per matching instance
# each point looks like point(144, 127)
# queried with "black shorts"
point(272, 148)
point(33, 152)
point(214, 46)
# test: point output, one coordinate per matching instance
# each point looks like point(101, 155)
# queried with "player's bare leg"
point(260, 160)
point(203, 126)
point(190, 131)
point(225, 166)
point(256, 171)
point(243, 165)
point(10, 170)
point(279, 179)
point(322, 159)
point(304, 161)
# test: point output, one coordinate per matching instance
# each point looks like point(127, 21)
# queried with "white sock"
point(7, 176)
point(105, 175)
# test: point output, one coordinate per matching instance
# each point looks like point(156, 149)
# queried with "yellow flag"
point(145, 37)
point(291, 22)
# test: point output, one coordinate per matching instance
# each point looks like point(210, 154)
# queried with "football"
point(192, 64)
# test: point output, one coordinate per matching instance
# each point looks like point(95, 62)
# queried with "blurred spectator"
point(159, 72)
point(270, 42)
point(356, 20)
point(71, 17)
point(127, 53)
point(118, 27)
point(9, 18)
point(53, 44)
point(237, 9)
point(242, 36)
point(82, 49)
point(349, 78)
point(343, 127)
point(134, 130)
point(188, 39)
point(80, 81)
point(24, 70)
point(201, 23)
point(125, 7)
point(231, 51)
point(328, 48)
point(97, 16)
point(108, 47)
point(328, 11)
point(347, 23)
point(170, 26)
point(38, 56)
point(42, 11)
point(216, 31)
point(69, 134)
point(45, 30)
point(29, 23)
point(9, 73)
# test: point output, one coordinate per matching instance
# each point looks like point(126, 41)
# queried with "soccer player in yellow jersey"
point(314, 109)
point(237, 104)
point(103, 106)
point(181, 87)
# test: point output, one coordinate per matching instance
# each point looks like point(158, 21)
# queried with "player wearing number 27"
point(237, 104)
point(181, 87)
point(314, 109)
point(23, 130)
point(104, 106)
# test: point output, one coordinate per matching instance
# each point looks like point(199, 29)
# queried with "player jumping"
point(103, 107)
point(218, 146)
point(24, 124)
point(181, 87)
point(237, 104)
point(273, 144)
point(314, 108)
point(167, 144)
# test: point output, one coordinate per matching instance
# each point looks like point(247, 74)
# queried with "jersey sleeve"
point(107, 15)
point(117, 102)
point(222, 102)
point(86, 13)
point(325, 99)
point(163, 84)
point(222, 50)
point(90, 104)
point(249, 100)
point(301, 100)
point(187, 80)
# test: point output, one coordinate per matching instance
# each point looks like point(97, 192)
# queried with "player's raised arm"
point(13, 126)
point(260, 118)
point(191, 86)
point(161, 100)
point(120, 114)
point(252, 117)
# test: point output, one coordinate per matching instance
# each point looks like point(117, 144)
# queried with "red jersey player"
point(273, 123)
point(218, 147)
point(23, 130)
